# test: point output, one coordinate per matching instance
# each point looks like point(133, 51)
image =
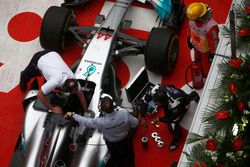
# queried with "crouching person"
point(115, 124)
point(175, 103)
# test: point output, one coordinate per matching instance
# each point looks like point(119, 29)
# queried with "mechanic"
point(175, 103)
point(116, 124)
point(203, 34)
point(57, 74)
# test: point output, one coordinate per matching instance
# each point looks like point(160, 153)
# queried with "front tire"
point(54, 28)
point(161, 50)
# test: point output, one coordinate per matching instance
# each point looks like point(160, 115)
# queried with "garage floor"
point(19, 40)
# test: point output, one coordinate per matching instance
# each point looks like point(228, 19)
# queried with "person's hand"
point(57, 109)
point(155, 120)
point(135, 113)
point(68, 115)
point(190, 45)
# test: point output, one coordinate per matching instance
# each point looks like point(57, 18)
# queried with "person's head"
point(198, 12)
point(160, 97)
point(107, 104)
point(70, 85)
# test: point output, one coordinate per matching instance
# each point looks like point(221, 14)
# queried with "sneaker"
point(22, 84)
point(174, 144)
point(195, 96)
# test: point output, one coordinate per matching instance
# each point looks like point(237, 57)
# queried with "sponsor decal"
point(107, 36)
point(93, 62)
point(90, 70)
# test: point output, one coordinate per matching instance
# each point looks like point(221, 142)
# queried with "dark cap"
point(69, 85)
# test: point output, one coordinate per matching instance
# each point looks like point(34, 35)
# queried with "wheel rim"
point(63, 44)
point(173, 52)
point(172, 55)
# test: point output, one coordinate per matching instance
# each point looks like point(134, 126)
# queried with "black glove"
point(190, 45)
point(147, 97)
point(210, 57)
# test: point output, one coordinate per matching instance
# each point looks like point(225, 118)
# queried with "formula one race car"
point(47, 138)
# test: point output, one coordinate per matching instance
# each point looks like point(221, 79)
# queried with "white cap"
point(106, 95)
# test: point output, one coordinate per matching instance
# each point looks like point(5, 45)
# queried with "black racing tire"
point(161, 50)
point(54, 28)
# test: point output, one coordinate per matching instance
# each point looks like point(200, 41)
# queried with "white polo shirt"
point(54, 70)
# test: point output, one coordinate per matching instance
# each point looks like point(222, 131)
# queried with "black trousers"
point(32, 70)
point(175, 130)
point(174, 126)
point(122, 153)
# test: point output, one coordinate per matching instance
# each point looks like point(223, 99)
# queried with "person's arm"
point(174, 114)
point(87, 122)
point(166, 117)
point(46, 88)
point(133, 122)
point(45, 101)
point(83, 100)
point(213, 37)
point(189, 43)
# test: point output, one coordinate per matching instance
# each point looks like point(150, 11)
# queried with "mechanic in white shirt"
point(115, 125)
point(57, 74)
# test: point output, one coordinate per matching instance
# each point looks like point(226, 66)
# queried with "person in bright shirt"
point(203, 34)
point(57, 74)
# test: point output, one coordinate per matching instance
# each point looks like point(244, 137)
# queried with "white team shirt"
point(54, 70)
point(114, 126)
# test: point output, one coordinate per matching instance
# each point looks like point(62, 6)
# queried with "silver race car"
point(47, 139)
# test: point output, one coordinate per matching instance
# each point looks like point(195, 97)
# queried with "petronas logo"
point(90, 70)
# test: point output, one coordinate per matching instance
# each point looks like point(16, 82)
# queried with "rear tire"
point(54, 28)
point(161, 50)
